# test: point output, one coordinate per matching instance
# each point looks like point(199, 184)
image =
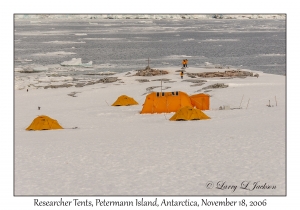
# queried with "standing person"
point(181, 74)
point(183, 63)
point(186, 62)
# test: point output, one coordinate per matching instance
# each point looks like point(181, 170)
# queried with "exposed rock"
point(25, 71)
point(73, 94)
point(142, 80)
point(217, 85)
point(217, 16)
point(90, 83)
point(108, 80)
point(29, 69)
point(226, 74)
point(103, 80)
point(151, 88)
point(101, 73)
point(226, 78)
point(191, 76)
point(194, 80)
point(197, 84)
point(58, 86)
point(161, 79)
point(150, 72)
point(80, 85)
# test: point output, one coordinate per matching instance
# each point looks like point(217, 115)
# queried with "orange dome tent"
point(189, 113)
point(44, 122)
point(165, 102)
point(124, 100)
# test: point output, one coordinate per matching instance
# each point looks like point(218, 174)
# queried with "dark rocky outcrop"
point(226, 74)
point(150, 72)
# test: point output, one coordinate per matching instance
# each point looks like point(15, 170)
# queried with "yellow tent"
point(200, 101)
point(189, 113)
point(124, 100)
point(160, 102)
point(43, 122)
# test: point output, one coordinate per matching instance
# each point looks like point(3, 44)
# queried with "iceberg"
point(77, 62)
point(73, 62)
point(87, 65)
point(40, 68)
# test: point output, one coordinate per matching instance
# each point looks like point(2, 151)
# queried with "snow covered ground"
point(118, 151)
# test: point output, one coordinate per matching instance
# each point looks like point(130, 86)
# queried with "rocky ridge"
point(228, 74)
point(150, 72)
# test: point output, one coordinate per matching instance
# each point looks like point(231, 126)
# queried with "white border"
point(8, 201)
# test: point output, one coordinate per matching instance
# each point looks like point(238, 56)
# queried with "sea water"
point(121, 45)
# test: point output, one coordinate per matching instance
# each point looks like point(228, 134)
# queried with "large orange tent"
point(43, 122)
point(124, 100)
point(160, 102)
point(189, 113)
point(200, 101)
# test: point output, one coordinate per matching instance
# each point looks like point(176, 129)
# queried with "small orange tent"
point(43, 122)
point(200, 101)
point(124, 100)
point(189, 113)
point(160, 102)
